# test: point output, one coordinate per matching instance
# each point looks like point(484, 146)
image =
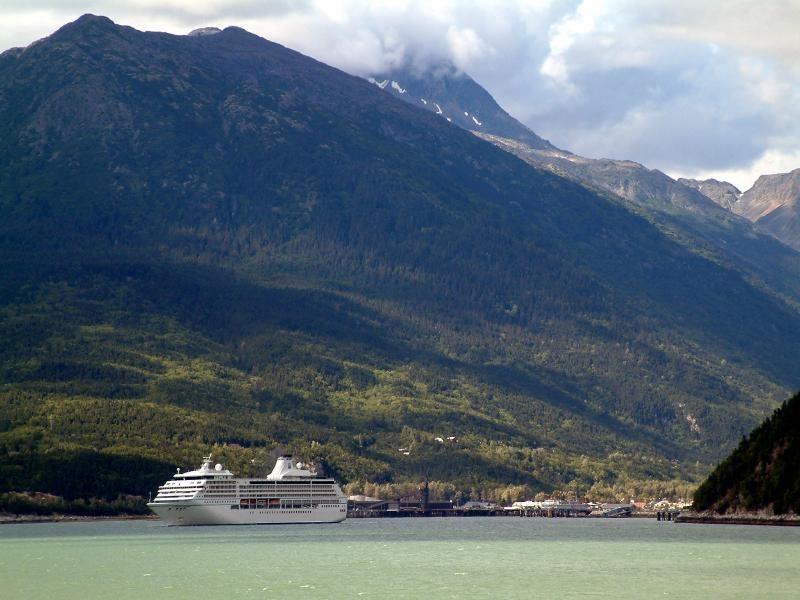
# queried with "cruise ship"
point(212, 495)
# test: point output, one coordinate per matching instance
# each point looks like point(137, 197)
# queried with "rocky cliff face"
point(773, 203)
point(723, 193)
point(624, 178)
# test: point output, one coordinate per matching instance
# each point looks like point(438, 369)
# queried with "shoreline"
point(739, 519)
point(12, 519)
point(689, 518)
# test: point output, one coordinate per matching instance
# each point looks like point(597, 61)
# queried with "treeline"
point(763, 472)
point(47, 504)
point(622, 490)
point(76, 474)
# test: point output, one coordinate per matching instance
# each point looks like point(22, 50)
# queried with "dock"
point(547, 509)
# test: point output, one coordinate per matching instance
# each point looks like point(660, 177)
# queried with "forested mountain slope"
point(763, 473)
point(214, 240)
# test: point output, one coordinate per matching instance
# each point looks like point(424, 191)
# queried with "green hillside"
point(216, 241)
point(763, 473)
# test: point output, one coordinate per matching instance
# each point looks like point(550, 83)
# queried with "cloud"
point(769, 163)
point(682, 90)
point(683, 86)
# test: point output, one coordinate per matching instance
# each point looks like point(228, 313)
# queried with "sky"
point(691, 87)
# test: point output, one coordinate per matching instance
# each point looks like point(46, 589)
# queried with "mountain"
point(680, 209)
point(763, 473)
point(456, 97)
point(215, 241)
point(773, 203)
point(443, 89)
point(723, 193)
point(627, 179)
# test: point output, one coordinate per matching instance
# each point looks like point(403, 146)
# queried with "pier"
point(371, 508)
point(399, 508)
point(420, 506)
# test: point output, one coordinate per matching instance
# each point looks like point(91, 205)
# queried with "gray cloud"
point(690, 88)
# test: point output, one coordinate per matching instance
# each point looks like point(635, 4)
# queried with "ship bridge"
point(206, 471)
point(286, 468)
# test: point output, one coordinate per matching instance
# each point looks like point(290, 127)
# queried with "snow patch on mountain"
point(380, 84)
point(204, 31)
point(478, 123)
point(396, 87)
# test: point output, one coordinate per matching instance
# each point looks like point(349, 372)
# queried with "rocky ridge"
point(723, 193)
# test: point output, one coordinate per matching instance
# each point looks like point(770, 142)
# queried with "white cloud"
point(683, 86)
point(769, 163)
point(563, 36)
point(466, 46)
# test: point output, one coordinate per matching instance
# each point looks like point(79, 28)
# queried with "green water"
point(400, 558)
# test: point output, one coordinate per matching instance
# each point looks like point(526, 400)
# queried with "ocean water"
point(400, 558)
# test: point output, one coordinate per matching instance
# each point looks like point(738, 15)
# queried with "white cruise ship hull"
point(214, 496)
point(222, 514)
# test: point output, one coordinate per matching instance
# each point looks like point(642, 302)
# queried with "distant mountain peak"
point(723, 193)
point(773, 177)
point(90, 18)
point(444, 89)
point(87, 21)
point(773, 203)
point(87, 26)
point(78, 27)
